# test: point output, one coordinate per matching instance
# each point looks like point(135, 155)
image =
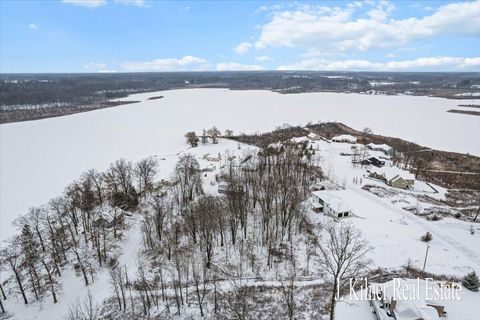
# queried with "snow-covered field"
point(39, 158)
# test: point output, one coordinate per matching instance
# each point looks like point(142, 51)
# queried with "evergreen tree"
point(471, 282)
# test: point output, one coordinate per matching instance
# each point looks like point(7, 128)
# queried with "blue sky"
point(138, 36)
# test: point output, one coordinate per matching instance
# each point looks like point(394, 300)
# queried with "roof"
point(391, 172)
point(301, 139)
point(407, 307)
point(385, 147)
point(313, 135)
point(332, 200)
point(345, 137)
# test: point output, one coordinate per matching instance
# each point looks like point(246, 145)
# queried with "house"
point(209, 168)
point(103, 223)
point(313, 136)
point(330, 202)
point(358, 147)
point(345, 138)
point(373, 161)
point(376, 162)
point(392, 300)
point(385, 148)
point(209, 157)
point(394, 177)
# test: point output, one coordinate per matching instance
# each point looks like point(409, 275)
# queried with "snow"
point(393, 232)
point(332, 200)
point(391, 172)
point(468, 94)
point(466, 307)
point(74, 290)
point(39, 158)
point(345, 137)
point(382, 147)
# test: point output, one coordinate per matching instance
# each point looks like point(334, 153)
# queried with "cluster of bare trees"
point(185, 230)
point(79, 228)
point(212, 134)
point(198, 249)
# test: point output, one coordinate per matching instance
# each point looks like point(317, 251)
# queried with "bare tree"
point(200, 280)
point(287, 292)
point(145, 170)
point(214, 133)
point(11, 255)
point(192, 138)
point(343, 251)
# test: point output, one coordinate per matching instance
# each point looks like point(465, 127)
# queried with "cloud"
point(167, 64)
point(106, 71)
point(233, 66)
point(263, 58)
point(86, 3)
point(33, 26)
point(420, 64)
point(138, 3)
point(345, 28)
point(243, 48)
point(390, 55)
point(100, 3)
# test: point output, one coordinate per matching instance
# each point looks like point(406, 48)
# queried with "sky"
point(144, 35)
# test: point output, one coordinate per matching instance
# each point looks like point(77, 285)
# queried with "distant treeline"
point(72, 90)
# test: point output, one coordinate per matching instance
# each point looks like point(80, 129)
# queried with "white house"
point(385, 148)
point(329, 202)
point(345, 138)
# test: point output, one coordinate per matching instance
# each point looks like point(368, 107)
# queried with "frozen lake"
point(39, 158)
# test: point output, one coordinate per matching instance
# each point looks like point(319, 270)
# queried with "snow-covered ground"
point(394, 232)
point(350, 308)
point(39, 158)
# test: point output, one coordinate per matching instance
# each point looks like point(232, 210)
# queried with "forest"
point(35, 96)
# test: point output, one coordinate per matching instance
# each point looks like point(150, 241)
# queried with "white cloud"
point(86, 3)
point(263, 58)
point(233, 66)
point(243, 48)
point(99, 3)
point(420, 64)
point(138, 3)
point(167, 64)
point(390, 55)
point(106, 71)
point(33, 26)
point(342, 28)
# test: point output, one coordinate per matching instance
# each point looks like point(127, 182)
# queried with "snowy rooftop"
point(345, 137)
point(391, 172)
point(332, 199)
point(385, 147)
point(301, 139)
point(411, 297)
